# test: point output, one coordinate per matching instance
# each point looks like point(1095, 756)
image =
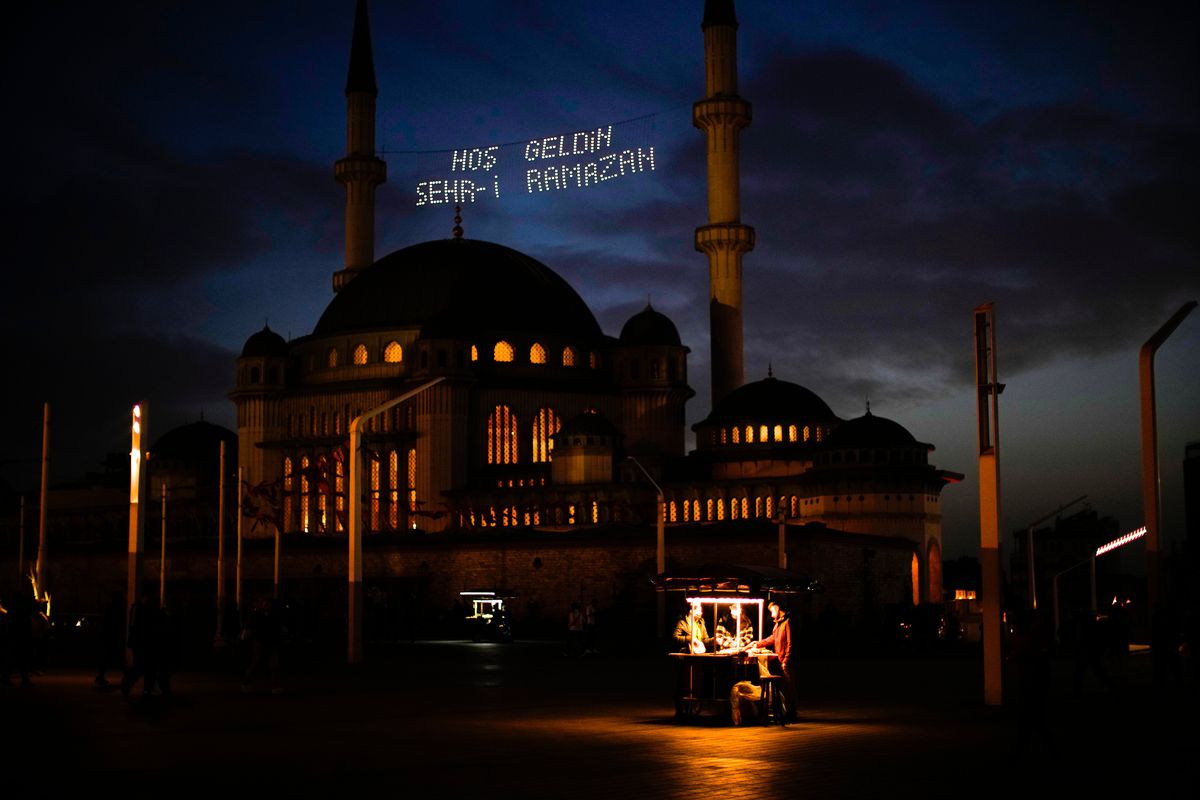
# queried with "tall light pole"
point(1151, 493)
point(39, 570)
point(1029, 559)
point(139, 432)
point(354, 644)
point(987, 392)
point(660, 551)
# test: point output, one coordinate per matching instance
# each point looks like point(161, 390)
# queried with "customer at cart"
point(780, 641)
point(735, 632)
point(691, 634)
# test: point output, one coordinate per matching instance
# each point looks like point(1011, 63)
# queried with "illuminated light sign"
point(577, 160)
point(135, 454)
point(1121, 542)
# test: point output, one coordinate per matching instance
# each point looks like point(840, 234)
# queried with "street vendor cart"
point(724, 613)
point(488, 617)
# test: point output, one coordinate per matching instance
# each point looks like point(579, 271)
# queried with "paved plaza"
point(523, 720)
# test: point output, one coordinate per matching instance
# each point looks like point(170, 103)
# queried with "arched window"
point(764, 434)
point(749, 434)
point(375, 496)
point(593, 361)
point(503, 351)
point(289, 485)
point(724, 435)
point(412, 479)
point(695, 510)
point(304, 490)
point(807, 433)
point(255, 375)
point(779, 433)
point(545, 425)
point(502, 436)
point(770, 507)
point(687, 510)
point(737, 435)
point(393, 353)
point(474, 353)
point(792, 433)
point(568, 356)
point(331, 357)
point(673, 515)
point(709, 510)
point(758, 507)
point(339, 492)
point(360, 355)
point(720, 508)
point(393, 489)
point(537, 354)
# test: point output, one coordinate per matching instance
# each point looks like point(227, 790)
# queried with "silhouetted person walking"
point(141, 637)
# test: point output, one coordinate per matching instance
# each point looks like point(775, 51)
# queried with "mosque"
point(539, 421)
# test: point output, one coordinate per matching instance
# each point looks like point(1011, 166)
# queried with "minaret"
point(360, 170)
point(721, 116)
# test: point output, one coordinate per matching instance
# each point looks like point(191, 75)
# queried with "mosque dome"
point(265, 343)
point(453, 287)
point(195, 447)
point(872, 431)
point(767, 401)
point(649, 327)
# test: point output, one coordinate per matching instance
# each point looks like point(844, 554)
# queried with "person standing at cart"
point(780, 641)
point(735, 632)
point(691, 634)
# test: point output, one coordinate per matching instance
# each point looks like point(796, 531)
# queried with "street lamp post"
point(660, 548)
point(354, 644)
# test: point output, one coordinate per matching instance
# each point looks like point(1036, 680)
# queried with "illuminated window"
point(304, 490)
point(595, 512)
point(687, 510)
point(737, 435)
point(764, 434)
point(720, 508)
point(749, 434)
point(673, 512)
point(412, 479)
point(360, 354)
point(545, 425)
point(537, 354)
point(779, 433)
point(709, 509)
point(758, 506)
point(393, 353)
point(503, 351)
point(593, 361)
point(331, 357)
point(916, 581)
point(820, 433)
point(733, 509)
point(568, 356)
point(770, 507)
point(724, 435)
point(795, 507)
point(502, 436)
point(288, 499)
point(393, 489)
point(792, 433)
point(374, 494)
point(339, 491)
point(806, 433)
point(474, 353)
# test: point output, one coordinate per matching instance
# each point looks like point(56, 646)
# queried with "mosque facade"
point(524, 414)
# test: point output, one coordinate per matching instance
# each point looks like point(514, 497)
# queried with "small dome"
point(589, 423)
point(770, 401)
point(872, 431)
point(197, 445)
point(265, 343)
point(649, 327)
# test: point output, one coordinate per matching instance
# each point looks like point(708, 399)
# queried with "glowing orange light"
point(1122, 541)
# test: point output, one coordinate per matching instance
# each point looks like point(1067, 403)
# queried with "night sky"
point(171, 188)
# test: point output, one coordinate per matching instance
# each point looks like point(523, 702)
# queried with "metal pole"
point(237, 589)
point(162, 553)
point(21, 540)
point(1151, 497)
point(139, 432)
point(39, 570)
point(354, 645)
point(275, 592)
point(987, 393)
point(220, 637)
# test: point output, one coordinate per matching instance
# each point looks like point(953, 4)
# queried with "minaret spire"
point(722, 115)
point(360, 170)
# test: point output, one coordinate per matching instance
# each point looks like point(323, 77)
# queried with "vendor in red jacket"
point(780, 641)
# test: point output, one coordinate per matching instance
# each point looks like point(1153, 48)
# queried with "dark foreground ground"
point(452, 719)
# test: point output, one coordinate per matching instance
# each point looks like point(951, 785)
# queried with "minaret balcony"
point(716, 112)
